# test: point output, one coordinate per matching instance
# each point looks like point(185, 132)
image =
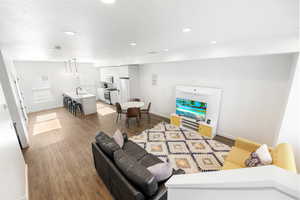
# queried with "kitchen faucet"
point(78, 88)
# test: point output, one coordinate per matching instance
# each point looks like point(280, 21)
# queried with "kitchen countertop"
point(80, 96)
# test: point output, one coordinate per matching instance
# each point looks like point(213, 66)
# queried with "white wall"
point(31, 73)
point(7, 71)
point(12, 168)
point(290, 129)
point(254, 91)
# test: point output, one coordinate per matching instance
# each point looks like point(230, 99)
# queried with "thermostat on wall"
point(154, 79)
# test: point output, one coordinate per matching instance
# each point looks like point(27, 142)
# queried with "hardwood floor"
point(60, 163)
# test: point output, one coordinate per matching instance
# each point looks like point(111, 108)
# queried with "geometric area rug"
point(186, 149)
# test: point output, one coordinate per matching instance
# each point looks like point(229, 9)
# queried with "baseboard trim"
point(27, 183)
point(226, 135)
point(45, 109)
point(160, 115)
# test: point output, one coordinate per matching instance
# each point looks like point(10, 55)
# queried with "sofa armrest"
point(161, 194)
point(246, 144)
point(283, 156)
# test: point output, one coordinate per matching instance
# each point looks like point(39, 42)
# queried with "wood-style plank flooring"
point(60, 163)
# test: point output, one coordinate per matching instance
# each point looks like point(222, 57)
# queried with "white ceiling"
point(29, 29)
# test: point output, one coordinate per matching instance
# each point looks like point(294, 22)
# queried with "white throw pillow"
point(264, 155)
point(118, 137)
point(161, 171)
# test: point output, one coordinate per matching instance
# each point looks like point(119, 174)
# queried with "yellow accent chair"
point(282, 155)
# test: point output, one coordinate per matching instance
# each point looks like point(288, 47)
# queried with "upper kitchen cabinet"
point(113, 74)
point(107, 73)
point(123, 71)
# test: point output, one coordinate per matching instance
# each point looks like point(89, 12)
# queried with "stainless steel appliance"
point(124, 89)
point(108, 95)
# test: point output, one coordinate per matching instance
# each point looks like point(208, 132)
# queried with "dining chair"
point(135, 99)
point(133, 113)
point(119, 111)
point(147, 111)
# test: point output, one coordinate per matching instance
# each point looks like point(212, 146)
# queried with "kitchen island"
point(88, 101)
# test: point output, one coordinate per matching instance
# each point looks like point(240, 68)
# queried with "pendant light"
point(71, 66)
point(66, 67)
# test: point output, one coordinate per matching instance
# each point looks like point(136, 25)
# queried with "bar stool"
point(65, 101)
point(69, 104)
point(73, 105)
point(78, 108)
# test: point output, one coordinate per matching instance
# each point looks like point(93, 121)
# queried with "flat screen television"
point(191, 109)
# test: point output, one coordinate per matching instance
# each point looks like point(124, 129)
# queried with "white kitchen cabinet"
point(100, 94)
point(131, 73)
point(123, 71)
point(108, 72)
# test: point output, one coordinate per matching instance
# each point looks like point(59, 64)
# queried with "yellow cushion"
point(283, 157)
point(238, 156)
point(175, 120)
point(230, 165)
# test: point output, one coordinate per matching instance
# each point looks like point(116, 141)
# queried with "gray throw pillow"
point(161, 171)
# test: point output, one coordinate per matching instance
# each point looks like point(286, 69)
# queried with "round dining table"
point(132, 104)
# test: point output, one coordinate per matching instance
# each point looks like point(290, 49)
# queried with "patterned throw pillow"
point(253, 160)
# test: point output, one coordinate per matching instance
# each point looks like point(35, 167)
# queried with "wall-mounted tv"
point(191, 109)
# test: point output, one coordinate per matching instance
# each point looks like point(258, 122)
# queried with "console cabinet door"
point(205, 130)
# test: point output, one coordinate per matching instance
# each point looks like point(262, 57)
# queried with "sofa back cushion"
point(136, 173)
point(134, 150)
point(107, 144)
point(283, 157)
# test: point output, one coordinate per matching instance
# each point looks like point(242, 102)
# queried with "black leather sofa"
point(123, 170)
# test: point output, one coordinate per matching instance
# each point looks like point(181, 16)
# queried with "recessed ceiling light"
point(132, 44)
point(70, 33)
point(186, 30)
point(166, 49)
point(108, 1)
point(213, 42)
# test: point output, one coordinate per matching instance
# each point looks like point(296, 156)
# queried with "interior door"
point(12, 168)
